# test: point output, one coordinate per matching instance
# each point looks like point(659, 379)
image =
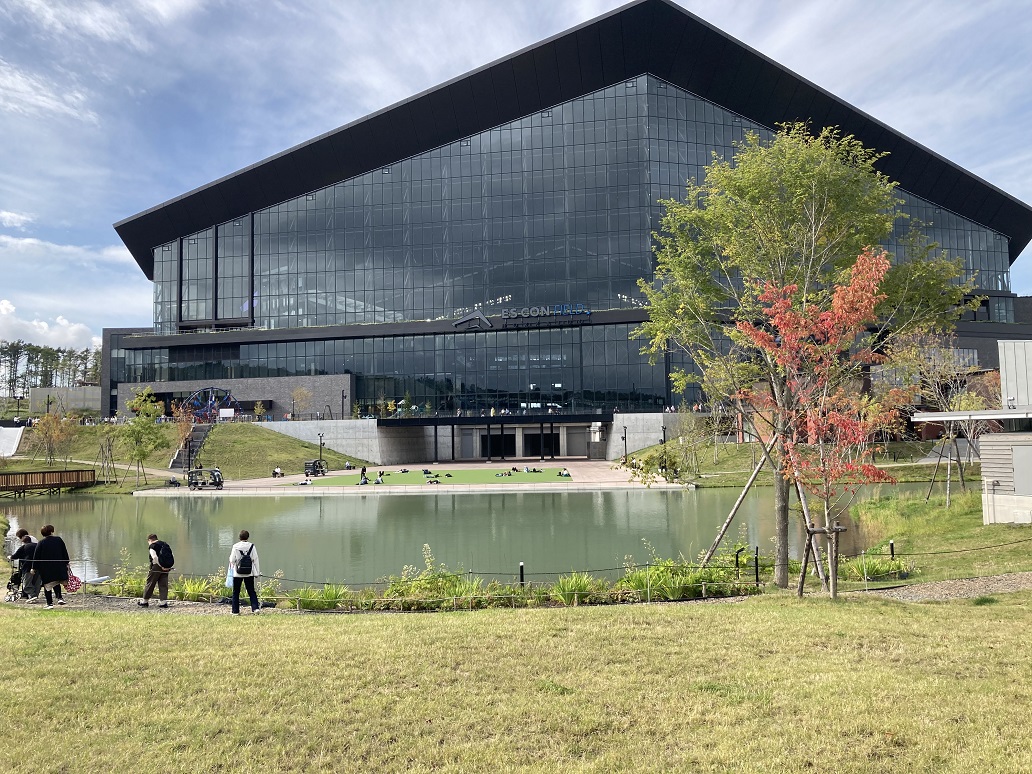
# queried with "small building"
point(1006, 478)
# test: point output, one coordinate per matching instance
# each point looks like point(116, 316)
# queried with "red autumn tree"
point(827, 420)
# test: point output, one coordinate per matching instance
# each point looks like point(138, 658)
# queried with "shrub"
point(191, 589)
point(128, 581)
point(876, 568)
point(330, 597)
point(576, 588)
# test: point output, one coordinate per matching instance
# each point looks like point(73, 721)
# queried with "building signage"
point(551, 310)
point(475, 320)
point(519, 317)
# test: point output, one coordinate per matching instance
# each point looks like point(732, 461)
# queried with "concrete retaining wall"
point(362, 438)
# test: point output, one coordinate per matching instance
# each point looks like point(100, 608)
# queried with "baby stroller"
point(14, 586)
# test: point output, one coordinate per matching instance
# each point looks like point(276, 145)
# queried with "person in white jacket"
point(243, 560)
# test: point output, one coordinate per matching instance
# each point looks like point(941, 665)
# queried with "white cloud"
point(34, 95)
point(14, 219)
point(53, 284)
point(58, 332)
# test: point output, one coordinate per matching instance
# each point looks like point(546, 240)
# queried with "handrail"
point(47, 479)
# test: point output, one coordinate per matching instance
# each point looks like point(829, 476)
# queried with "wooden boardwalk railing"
point(47, 480)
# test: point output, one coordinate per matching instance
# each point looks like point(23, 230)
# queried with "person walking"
point(160, 555)
point(50, 564)
point(243, 559)
point(23, 556)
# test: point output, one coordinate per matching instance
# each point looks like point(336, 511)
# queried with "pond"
point(358, 539)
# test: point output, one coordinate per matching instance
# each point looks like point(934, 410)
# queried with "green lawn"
point(415, 477)
point(241, 450)
point(945, 542)
point(769, 684)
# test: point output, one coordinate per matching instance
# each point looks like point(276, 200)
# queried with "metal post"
point(756, 565)
point(624, 437)
point(892, 549)
point(522, 584)
point(343, 396)
point(320, 446)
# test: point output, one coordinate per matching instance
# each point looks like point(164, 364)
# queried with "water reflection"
point(359, 538)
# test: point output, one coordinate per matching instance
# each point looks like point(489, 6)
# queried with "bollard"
point(522, 584)
point(892, 549)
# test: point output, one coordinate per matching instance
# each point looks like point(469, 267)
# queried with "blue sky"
point(109, 108)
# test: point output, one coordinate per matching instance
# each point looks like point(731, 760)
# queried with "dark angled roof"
point(648, 36)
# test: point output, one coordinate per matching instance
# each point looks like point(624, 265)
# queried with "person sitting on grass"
point(362, 480)
point(564, 473)
point(379, 478)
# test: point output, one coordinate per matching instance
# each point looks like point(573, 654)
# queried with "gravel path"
point(966, 588)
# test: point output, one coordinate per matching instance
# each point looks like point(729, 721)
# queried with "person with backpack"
point(161, 563)
point(243, 560)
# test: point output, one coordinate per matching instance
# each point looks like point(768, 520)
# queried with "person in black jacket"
point(50, 565)
point(158, 575)
point(24, 554)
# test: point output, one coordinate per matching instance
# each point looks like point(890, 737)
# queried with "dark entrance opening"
point(532, 443)
point(500, 445)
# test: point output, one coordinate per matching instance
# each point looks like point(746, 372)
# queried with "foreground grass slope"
point(769, 684)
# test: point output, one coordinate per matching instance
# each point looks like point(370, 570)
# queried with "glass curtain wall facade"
point(555, 208)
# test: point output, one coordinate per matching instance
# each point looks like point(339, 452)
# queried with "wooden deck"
point(49, 481)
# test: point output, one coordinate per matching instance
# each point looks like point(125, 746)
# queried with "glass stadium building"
point(478, 246)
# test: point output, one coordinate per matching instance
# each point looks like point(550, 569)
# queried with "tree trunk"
point(960, 466)
point(734, 510)
point(780, 531)
point(949, 472)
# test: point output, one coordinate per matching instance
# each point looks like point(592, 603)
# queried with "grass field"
point(769, 684)
point(946, 542)
point(241, 450)
point(445, 475)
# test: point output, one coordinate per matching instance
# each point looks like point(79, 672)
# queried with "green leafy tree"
point(794, 212)
point(141, 435)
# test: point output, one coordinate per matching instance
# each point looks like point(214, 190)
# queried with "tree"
point(51, 433)
point(829, 422)
point(183, 418)
point(794, 212)
point(142, 435)
point(301, 399)
point(939, 375)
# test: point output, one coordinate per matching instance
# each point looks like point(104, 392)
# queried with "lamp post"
point(624, 439)
point(18, 399)
point(343, 398)
point(321, 444)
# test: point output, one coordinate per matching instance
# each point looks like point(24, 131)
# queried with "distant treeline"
point(24, 365)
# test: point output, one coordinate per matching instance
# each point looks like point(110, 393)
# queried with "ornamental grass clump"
point(876, 568)
point(578, 588)
point(330, 597)
point(190, 589)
